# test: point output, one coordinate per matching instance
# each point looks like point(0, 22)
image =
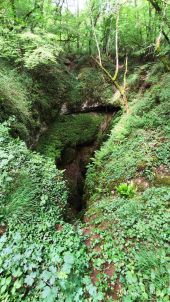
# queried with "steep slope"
point(43, 258)
point(33, 98)
point(127, 191)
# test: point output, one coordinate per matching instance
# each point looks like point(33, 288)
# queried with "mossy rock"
point(162, 179)
point(140, 183)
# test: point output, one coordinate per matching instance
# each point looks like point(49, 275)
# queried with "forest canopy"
point(53, 26)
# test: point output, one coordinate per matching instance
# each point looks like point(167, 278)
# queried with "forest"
point(84, 150)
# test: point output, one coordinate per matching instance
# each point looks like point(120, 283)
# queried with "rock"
point(140, 183)
point(162, 179)
point(64, 109)
point(141, 166)
point(162, 176)
point(3, 229)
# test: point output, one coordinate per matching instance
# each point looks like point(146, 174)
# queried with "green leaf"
point(29, 280)
point(3, 288)
point(130, 277)
point(69, 258)
point(127, 299)
point(46, 275)
point(17, 284)
point(46, 292)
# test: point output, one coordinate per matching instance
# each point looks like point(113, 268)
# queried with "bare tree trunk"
point(106, 33)
point(97, 43)
point(108, 41)
point(117, 47)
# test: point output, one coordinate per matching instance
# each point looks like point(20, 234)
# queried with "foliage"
point(35, 49)
point(42, 257)
point(135, 241)
point(46, 65)
point(133, 139)
point(43, 41)
point(94, 88)
point(14, 99)
point(48, 27)
point(45, 264)
point(33, 98)
point(21, 171)
point(132, 235)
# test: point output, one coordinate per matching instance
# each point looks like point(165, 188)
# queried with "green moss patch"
point(69, 131)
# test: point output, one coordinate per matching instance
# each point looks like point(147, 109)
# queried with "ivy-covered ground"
point(128, 195)
point(42, 258)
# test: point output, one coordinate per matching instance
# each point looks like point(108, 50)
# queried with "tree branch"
point(117, 49)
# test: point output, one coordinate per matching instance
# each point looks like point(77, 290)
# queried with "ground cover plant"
point(128, 189)
point(43, 258)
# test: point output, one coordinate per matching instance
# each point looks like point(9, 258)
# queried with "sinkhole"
point(74, 161)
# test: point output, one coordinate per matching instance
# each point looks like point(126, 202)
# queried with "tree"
point(161, 11)
point(113, 78)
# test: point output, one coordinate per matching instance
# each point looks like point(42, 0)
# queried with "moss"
point(141, 166)
point(69, 131)
point(162, 180)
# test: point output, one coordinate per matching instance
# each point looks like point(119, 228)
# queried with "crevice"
point(74, 160)
point(98, 108)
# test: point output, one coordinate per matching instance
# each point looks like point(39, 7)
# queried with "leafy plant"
point(126, 190)
point(42, 257)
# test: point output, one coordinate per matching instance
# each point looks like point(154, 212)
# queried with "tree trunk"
point(162, 14)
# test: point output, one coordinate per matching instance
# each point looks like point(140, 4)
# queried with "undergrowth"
point(43, 258)
point(136, 144)
point(135, 241)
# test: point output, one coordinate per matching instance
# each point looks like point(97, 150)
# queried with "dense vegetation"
point(59, 59)
point(129, 196)
point(69, 131)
